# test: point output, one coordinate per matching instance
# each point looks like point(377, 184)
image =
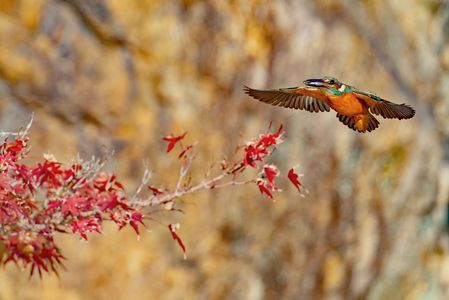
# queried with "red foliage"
point(294, 178)
point(155, 190)
point(267, 184)
point(271, 172)
point(136, 218)
point(184, 151)
point(172, 140)
point(257, 149)
point(74, 200)
point(265, 188)
point(38, 201)
point(37, 250)
point(173, 228)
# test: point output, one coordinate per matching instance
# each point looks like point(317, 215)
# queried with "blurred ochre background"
point(115, 74)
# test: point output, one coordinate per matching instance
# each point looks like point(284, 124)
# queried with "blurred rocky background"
point(114, 74)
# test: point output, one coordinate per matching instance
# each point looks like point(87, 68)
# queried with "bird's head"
point(328, 83)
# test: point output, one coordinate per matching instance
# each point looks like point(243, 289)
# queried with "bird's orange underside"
point(346, 104)
point(349, 105)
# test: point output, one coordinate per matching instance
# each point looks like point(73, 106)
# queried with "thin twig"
point(205, 184)
point(20, 133)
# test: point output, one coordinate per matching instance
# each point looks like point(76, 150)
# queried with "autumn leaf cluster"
point(41, 199)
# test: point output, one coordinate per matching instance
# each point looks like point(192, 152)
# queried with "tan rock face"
point(121, 74)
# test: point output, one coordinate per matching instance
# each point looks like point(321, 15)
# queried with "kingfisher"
point(355, 108)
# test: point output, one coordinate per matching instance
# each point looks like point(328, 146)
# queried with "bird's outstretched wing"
point(310, 99)
point(386, 109)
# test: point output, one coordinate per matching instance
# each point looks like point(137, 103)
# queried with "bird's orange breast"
point(347, 104)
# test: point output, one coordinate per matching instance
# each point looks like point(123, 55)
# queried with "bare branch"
point(20, 133)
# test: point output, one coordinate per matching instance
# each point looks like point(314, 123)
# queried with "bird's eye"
point(331, 81)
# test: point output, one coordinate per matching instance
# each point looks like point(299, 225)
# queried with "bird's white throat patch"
point(342, 88)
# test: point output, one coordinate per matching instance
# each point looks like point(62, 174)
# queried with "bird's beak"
point(314, 82)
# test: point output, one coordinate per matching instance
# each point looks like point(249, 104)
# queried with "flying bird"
point(355, 108)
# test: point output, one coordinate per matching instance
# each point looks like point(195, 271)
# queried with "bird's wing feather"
point(386, 109)
point(310, 99)
point(373, 123)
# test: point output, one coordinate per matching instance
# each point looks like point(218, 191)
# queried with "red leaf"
point(155, 190)
point(135, 219)
point(16, 147)
point(173, 228)
point(280, 130)
point(73, 205)
point(269, 139)
point(109, 202)
point(183, 152)
point(172, 140)
point(25, 173)
point(53, 205)
point(119, 220)
point(264, 188)
point(271, 172)
point(49, 173)
point(119, 185)
point(258, 149)
point(252, 153)
point(84, 225)
point(294, 178)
